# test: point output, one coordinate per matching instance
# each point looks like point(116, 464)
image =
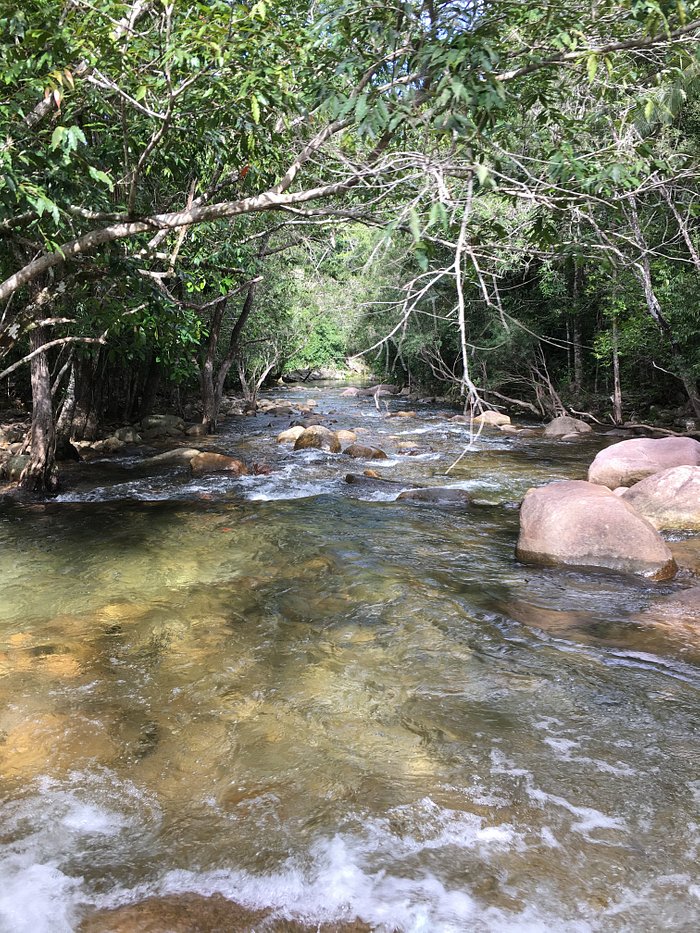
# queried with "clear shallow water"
point(306, 696)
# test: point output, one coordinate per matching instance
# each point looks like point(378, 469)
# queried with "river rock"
point(196, 913)
point(402, 414)
point(163, 425)
point(362, 452)
point(346, 437)
point(197, 430)
point(129, 435)
point(318, 436)
point(629, 462)
point(208, 462)
point(578, 524)
point(110, 445)
point(13, 466)
point(12, 434)
point(181, 455)
point(445, 495)
point(564, 424)
point(670, 500)
point(509, 429)
point(351, 392)
point(492, 418)
point(290, 435)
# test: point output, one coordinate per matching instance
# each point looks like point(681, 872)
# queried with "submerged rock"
point(351, 392)
point(578, 524)
point(629, 462)
point(670, 500)
point(208, 462)
point(564, 424)
point(362, 452)
point(451, 495)
point(319, 437)
point(197, 913)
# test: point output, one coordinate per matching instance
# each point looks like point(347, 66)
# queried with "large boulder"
point(362, 452)
point(670, 500)
point(318, 436)
point(564, 424)
point(346, 437)
point(207, 462)
point(629, 462)
point(579, 524)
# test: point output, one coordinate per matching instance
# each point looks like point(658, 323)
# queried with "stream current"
point(306, 696)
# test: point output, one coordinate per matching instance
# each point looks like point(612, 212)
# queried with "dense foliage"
point(500, 196)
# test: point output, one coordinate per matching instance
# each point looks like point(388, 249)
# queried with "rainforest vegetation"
point(494, 200)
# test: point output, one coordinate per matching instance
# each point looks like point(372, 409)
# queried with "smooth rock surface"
point(207, 462)
point(670, 500)
point(631, 461)
point(320, 437)
point(578, 524)
point(494, 418)
point(564, 424)
point(363, 452)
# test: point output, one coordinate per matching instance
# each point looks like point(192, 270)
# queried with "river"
point(309, 697)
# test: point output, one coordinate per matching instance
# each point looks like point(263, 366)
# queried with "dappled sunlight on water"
point(336, 707)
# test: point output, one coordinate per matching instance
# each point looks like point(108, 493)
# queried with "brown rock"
point(346, 437)
point(494, 418)
point(318, 436)
point(564, 425)
point(629, 462)
point(402, 414)
point(216, 463)
point(351, 392)
point(197, 430)
point(579, 524)
point(669, 500)
point(361, 452)
point(290, 435)
point(194, 913)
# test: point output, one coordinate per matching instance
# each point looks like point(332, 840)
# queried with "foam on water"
point(39, 893)
point(371, 876)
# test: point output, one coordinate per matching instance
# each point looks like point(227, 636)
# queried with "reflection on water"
point(336, 707)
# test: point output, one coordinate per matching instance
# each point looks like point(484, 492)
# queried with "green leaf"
point(102, 177)
point(255, 109)
point(591, 67)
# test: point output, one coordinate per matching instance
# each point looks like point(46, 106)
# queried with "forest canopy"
point(496, 198)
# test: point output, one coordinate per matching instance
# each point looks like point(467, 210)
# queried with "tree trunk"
point(617, 387)
point(41, 475)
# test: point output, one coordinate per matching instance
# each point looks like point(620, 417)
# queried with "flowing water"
point(307, 696)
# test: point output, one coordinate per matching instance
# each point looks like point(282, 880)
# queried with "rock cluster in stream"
point(656, 485)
